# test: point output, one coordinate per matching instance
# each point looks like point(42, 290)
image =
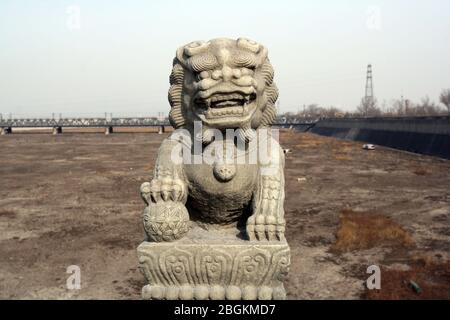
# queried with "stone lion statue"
point(218, 86)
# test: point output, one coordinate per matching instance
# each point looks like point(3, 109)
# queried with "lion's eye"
point(204, 75)
point(199, 76)
point(251, 70)
point(248, 71)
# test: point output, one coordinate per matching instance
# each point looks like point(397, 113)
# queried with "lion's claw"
point(261, 227)
point(163, 189)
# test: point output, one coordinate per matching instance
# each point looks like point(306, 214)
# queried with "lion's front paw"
point(265, 227)
point(163, 189)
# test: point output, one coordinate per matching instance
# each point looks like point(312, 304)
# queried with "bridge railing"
point(82, 122)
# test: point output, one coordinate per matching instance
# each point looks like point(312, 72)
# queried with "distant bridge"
point(100, 122)
point(109, 123)
point(82, 122)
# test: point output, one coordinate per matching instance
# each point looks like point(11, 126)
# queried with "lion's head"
point(224, 83)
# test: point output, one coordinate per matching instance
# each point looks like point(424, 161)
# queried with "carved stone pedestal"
point(200, 268)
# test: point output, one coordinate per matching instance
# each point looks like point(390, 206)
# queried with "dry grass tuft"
point(341, 157)
point(7, 214)
point(365, 230)
point(421, 171)
point(432, 277)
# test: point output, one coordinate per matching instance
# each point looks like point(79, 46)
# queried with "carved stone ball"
point(166, 221)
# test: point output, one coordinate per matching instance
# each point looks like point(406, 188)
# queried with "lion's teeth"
point(226, 111)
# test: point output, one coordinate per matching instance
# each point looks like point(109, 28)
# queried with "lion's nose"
point(227, 73)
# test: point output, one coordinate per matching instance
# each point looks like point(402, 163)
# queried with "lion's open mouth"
point(230, 100)
point(225, 104)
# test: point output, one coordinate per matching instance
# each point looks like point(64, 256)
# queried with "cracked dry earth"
point(73, 200)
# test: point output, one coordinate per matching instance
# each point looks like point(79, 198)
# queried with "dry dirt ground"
point(73, 199)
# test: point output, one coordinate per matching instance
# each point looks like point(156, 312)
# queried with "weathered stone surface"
point(222, 169)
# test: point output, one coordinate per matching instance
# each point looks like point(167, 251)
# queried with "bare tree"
point(313, 110)
point(398, 107)
point(426, 108)
point(332, 112)
point(444, 98)
point(368, 108)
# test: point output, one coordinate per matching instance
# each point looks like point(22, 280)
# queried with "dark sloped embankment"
point(426, 135)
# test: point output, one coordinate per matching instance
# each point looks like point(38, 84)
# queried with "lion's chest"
point(219, 201)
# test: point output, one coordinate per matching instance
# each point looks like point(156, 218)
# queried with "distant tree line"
point(371, 108)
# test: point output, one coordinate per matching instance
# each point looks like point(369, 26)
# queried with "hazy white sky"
point(115, 56)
